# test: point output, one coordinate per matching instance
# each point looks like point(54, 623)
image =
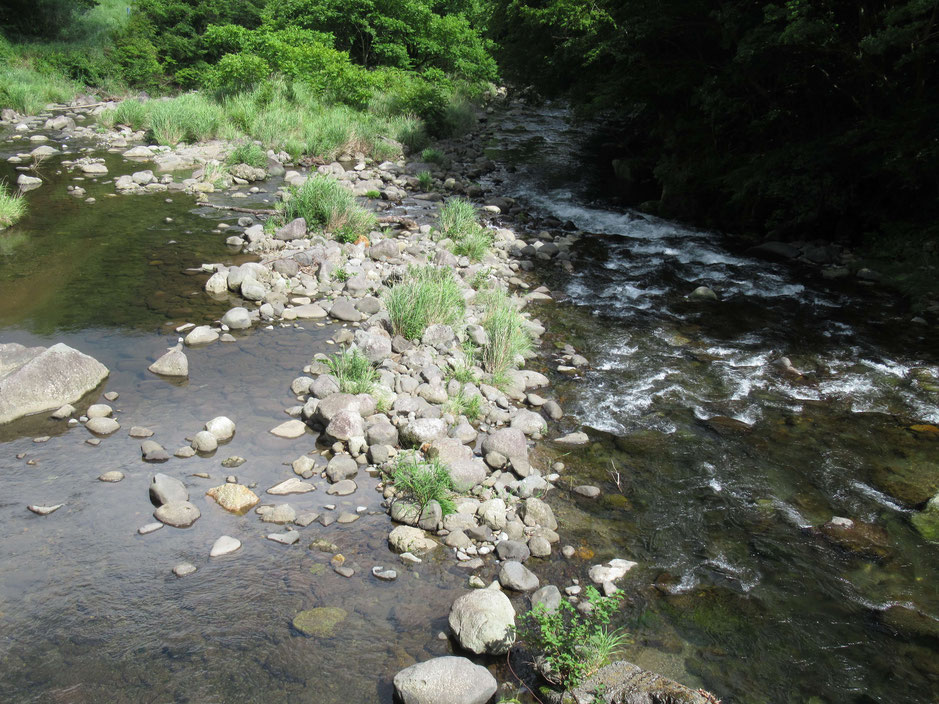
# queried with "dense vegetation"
point(797, 119)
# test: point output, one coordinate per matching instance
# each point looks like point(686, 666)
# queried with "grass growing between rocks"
point(423, 481)
point(509, 338)
point(425, 180)
point(326, 203)
point(28, 91)
point(248, 153)
point(463, 405)
point(12, 206)
point(427, 296)
point(458, 223)
point(353, 371)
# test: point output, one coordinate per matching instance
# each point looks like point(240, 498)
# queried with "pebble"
point(347, 517)
point(288, 538)
point(41, 439)
point(112, 476)
point(140, 432)
point(44, 510)
point(224, 546)
point(383, 574)
point(149, 528)
point(183, 569)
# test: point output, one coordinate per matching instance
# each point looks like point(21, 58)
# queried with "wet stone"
point(149, 528)
point(111, 477)
point(225, 545)
point(184, 569)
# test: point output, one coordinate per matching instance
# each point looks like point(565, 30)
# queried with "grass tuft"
point(425, 180)
point(508, 333)
point(12, 206)
point(28, 91)
point(423, 481)
point(458, 223)
point(248, 153)
point(353, 371)
point(326, 203)
point(463, 405)
point(428, 295)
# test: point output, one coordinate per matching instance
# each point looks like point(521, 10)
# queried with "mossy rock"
point(320, 622)
point(616, 501)
point(913, 481)
point(910, 622)
point(927, 522)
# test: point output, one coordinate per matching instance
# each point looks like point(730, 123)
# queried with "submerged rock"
point(625, 683)
point(37, 379)
point(320, 622)
point(225, 545)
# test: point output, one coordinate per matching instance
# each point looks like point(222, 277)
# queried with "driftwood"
point(404, 222)
point(252, 211)
point(78, 107)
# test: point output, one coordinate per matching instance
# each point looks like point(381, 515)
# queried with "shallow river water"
point(716, 467)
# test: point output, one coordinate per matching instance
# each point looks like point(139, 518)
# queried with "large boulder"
point(374, 343)
point(483, 621)
point(625, 683)
point(508, 442)
point(36, 379)
point(445, 680)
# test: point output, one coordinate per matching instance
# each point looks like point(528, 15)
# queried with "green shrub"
point(425, 180)
point(463, 405)
point(458, 223)
point(428, 295)
point(353, 371)
point(434, 156)
point(574, 644)
point(507, 330)
point(235, 73)
point(373, 194)
point(423, 482)
point(326, 203)
point(12, 206)
point(248, 153)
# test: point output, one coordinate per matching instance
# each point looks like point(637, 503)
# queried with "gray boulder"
point(293, 230)
point(173, 363)
point(514, 575)
point(238, 318)
point(445, 680)
point(165, 489)
point(508, 442)
point(625, 683)
point(483, 621)
point(374, 343)
point(36, 379)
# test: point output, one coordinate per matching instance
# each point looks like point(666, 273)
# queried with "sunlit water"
point(724, 462)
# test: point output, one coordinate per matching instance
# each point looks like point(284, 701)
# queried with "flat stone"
point(611, 571)
point(347, 517)
point(288, 538)
point(112, 476)
point(290, 430)
point(201, 335)
point(280, 514)
point(165, 489)
point(152, 451)
point(224, 546)
point(591, 492)
point(320, 622)
point(63, 412)
point(573, 439)
point(179, 514)
point(342, 488)
point(294, 485)
point(445, 680)
point(305, 519)
point(99, 410)
point(235, 498)
point(184, 569)
point(140, 432)
point(149, 528)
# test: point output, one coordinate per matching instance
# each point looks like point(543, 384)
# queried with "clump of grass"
point(423, 482)
point(463, 405)
point(425, 180)
point(509, 337)
point(214, 172)
point(132, 113)
point(12, 206)
point(428, 295)
point(373, 194)
point(434, 156)
point(463, 370)
point(341, 275)
point(248, 153)
point(29, 91)
point(458, 223)
point(191, 117)
point(353, 371)
point(480, 280)
point(325, 203)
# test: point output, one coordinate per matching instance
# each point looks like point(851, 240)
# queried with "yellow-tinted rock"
point(236, 498)
point(320, 622)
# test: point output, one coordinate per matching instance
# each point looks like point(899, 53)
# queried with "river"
point(716, 467)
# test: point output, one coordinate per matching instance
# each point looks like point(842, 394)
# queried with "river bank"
point(612, 511)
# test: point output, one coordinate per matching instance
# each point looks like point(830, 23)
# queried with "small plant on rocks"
point(426, 296)
point(508, 334)
point(12, 207)
point(326, 203)
point(573, 643)
point(248, 153)
point(423, 481)
point(425, 180)
point(353, 371)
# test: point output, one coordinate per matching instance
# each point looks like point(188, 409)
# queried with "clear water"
point(725, 463)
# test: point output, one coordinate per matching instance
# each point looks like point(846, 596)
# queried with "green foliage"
point(458, 223)
point(27, 91)
point(235, 73)
point(423, 482)
point(434, 156)
point(426, 181)
point(12, 206)
point(463, 405)
point(508, 333)
point(353, 371)
point(326, 203)
point(341, 275)
point(373, 194)
point(40, 18)
point(248, 153)
point(574, 644)
point(464, 371)
point(428, 295)
point(474, 245)
point(782, 118)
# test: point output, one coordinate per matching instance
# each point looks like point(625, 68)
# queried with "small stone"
point(291, 486)
point(184, 452)
point(44, 510)
point(288, 538)
point(591, 492)
point(235, 498)
point(152, 451)
point(64, 412)
point(224, 546)
point(204, 441)
point(384, 575)
point(103, 426)
point(305, 519)
point(347, 517)
point(179, 514)
point(514, 575)
point(99, 410)
point(183, 569)
point(222, 427)
point(140, 432)
point(290, 430)
point(112, 476)
point(149, 528)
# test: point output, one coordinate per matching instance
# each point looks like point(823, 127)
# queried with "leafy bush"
point(248, 153)
point(508, 334)
point(235, 73)
point(423, 482)
point(428, 295)
point(12, 206)
point(574, 644)
point(353, 371)
point(326, 203)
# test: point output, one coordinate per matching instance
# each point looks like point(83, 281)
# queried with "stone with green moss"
point(320, 622)
point(927, 520)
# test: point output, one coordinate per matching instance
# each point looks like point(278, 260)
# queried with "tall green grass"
point(508, 333)
point(428, 295)
point(247, 153)
point(458, 223)
point(324, 202)
point(12, 206)
point(353, 371)
point(28, 91)
point(423, 482)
